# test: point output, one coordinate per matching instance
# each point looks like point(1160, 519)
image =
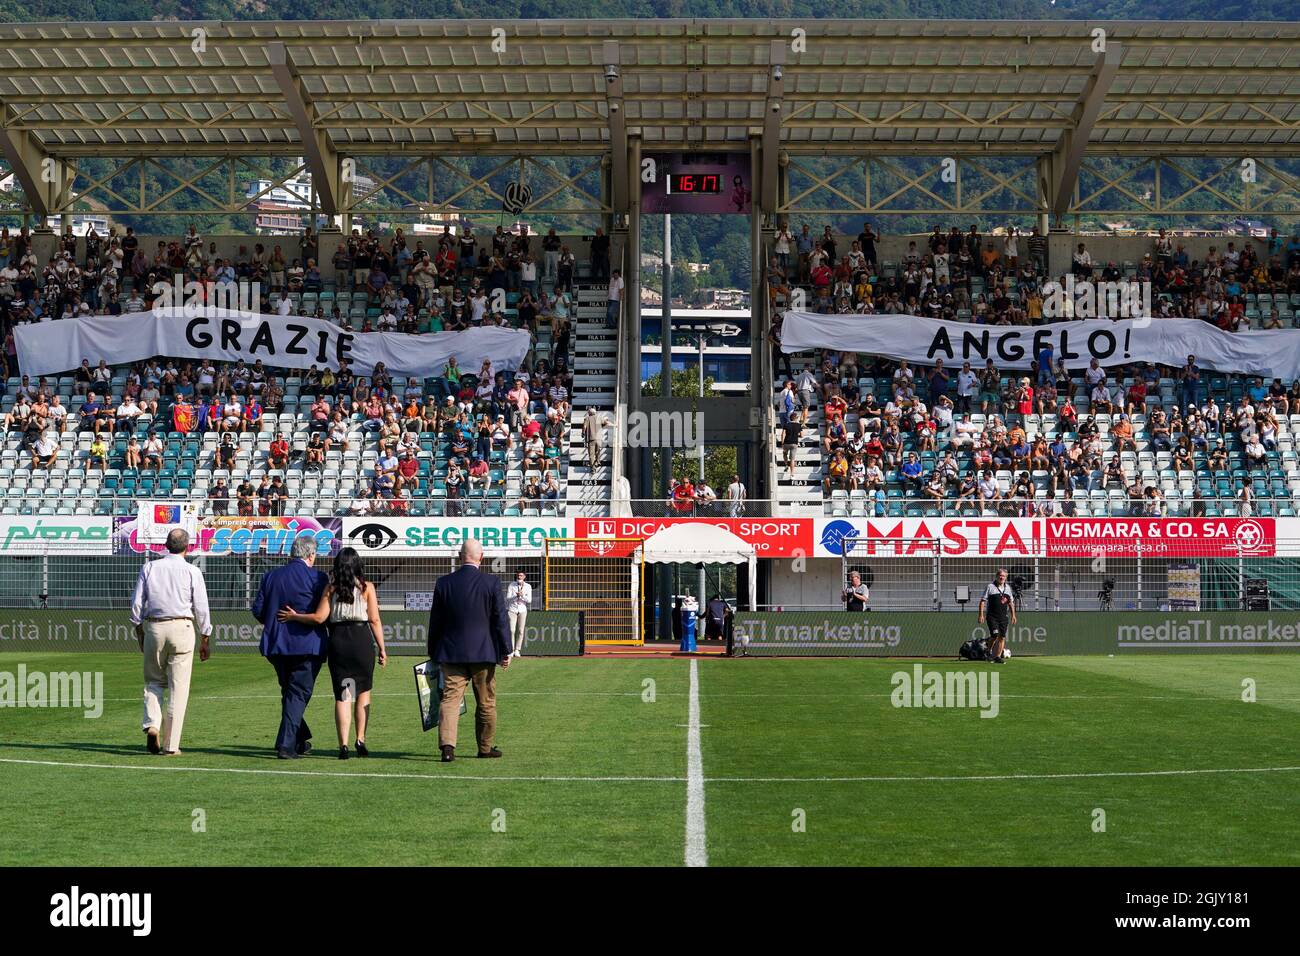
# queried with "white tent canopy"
point(698, 542)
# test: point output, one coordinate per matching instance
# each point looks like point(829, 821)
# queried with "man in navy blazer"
point(296, 651)
point(468, 637)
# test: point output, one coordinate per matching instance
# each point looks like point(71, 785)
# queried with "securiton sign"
point(1161, 537)
point(429, 536)
point(771, 537)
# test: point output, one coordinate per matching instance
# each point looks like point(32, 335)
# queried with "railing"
point(508, 505)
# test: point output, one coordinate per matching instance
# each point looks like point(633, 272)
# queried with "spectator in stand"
point(232, 414)
point(44, 450)
point(219, 495)
point(252, 416)
point(98, 455)
point(128, 413)
point(837, 472)
point(225, 453)
point(245, 499)
point(278, 496)
point(277, 454)
point(132, 459)
point(478, 476)
point(912, 474)
point(406, 473)
point(153, 452)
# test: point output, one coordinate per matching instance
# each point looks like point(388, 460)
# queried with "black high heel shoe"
point(343, 753)
point(361, 749)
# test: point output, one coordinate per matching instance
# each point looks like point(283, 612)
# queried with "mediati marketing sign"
point(921, 634)
point(547, 633)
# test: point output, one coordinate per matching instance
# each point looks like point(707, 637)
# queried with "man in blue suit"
point(296, 651)
point(468, 637)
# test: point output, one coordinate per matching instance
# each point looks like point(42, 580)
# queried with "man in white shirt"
point(170, 603)
point(58, 413)
point(44, 449)
point(519, 598)
point(968, 386)
point(207, 378)
point(614, 298)
point(127, 413)
point(231, 414)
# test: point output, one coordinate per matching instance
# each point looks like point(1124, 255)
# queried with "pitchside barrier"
point(546, 633)
point(911, 634)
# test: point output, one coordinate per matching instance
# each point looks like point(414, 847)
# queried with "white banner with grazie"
point(47, 348)
point(1164, 341)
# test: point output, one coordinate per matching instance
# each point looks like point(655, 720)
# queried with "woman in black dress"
point(352, 609)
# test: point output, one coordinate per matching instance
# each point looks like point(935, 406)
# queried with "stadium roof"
point(255, 88)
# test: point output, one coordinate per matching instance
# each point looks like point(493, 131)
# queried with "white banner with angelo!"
point(47, 348)
point(1163, 341)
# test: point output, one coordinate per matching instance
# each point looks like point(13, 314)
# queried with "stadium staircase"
point(595, 360)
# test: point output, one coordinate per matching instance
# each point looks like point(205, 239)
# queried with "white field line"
point(697, 853)
point(773, 696)
point(169, 766)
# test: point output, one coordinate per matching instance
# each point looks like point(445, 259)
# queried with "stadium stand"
point(480, 441)
point(860, 435)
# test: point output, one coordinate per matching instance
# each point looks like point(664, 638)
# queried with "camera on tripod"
point(1106, 594)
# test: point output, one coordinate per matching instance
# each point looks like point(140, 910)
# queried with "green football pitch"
point(1141, 760)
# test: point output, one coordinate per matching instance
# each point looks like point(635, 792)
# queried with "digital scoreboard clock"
point(708, 184)
point(697, 183)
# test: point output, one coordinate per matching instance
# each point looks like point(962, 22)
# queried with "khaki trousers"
point(518, 619)
point(458, 678)
point(168, 659)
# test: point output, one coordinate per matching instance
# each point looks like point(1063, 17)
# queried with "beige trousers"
point(517, 621)
point(168, 659)
point(458, 678)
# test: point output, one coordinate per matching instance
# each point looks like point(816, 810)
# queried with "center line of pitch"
point(697, 853)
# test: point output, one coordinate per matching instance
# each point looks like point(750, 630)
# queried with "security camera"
point(611, 73)
point(776, 73)
point(776, 106)
point(613, 107)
